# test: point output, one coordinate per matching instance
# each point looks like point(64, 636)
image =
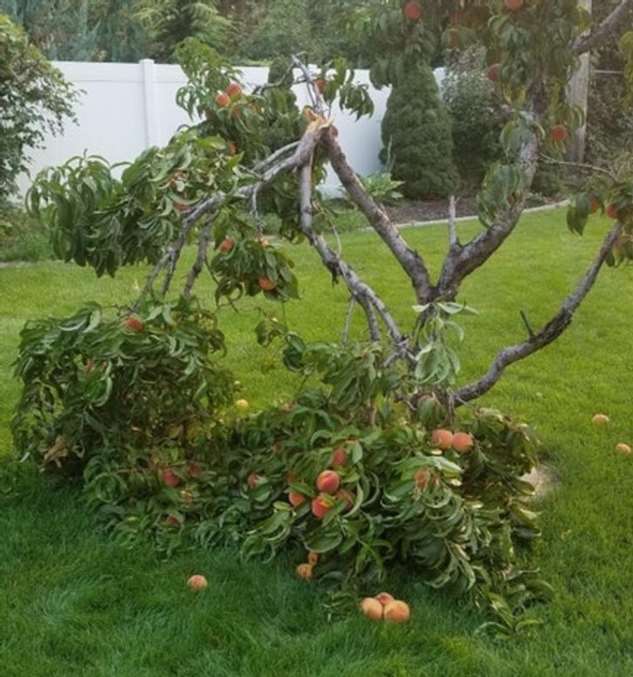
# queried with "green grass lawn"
point(74, 603)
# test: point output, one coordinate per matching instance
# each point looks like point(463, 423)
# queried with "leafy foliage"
point(99, 384)
point(34, 98)
point(416, 133)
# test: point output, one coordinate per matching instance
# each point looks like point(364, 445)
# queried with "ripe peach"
point(226, 245)
point(559, 133)
point(600, 419)
point(134, 323)
point(197, 583)
point(170, 478)
point(253, 480)
point(462, 442)
point(442, 439)
point(624, 449)
point(313, 558)
point(232, 148)
point(612, 212)
point(413, 10)
point(372, 609)
point(296, 499)
point(223, 100)
point(305, 571)
point(242, 405)
point(234, 91)
point(422, 478)
point(194, 470)
point(494, 72)
point(321, 505)
point(339, 457)
point(397, 612)
point(384, 598)
point(347, 497)
point(328, 482)
point(514, 5)
point(266, 284)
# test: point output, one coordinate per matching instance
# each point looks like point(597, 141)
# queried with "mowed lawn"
point(74, 603)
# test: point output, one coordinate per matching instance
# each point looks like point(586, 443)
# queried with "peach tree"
point(382, 464)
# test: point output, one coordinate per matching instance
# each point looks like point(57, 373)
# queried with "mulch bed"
point(412, 211)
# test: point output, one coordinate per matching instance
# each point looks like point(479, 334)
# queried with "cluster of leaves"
point(99, 220)
point(100, 384)
point(34, 99)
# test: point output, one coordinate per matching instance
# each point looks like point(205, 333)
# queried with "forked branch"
point(549, 333)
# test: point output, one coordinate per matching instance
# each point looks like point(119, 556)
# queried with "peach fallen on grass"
point(442, 439)
point(328, 482)
point(305, 571)
point(197, 583)
point(600, 419)
point(372, 608)
point(397, 612)
point(384, 598)
point(462, 442)
point(242, 405)
point(624, 449)
point(313, 558)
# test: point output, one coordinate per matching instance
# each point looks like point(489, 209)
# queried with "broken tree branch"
point(334, 263)
point(408, 258)
point(549, 333)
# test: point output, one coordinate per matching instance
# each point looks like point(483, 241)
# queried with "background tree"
point(60, 29)
point(34, 99)
point(169, 23)
point(417, 137)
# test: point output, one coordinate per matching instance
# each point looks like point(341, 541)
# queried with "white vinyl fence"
point(126, 108)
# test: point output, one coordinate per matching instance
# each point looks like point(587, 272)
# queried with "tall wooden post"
point(578, 94)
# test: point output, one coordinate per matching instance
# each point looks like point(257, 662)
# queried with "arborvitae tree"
point(416, 132)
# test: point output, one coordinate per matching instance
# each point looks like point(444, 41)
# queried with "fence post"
point(149, 103)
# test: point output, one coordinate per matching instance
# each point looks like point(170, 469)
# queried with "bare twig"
point(348, 320)
point(408, 258)
point(462, 261)
point(201, 258)
point(605, 31)
point(577, 165)
point(453, 240)
point(550, 332)
point(313, 91)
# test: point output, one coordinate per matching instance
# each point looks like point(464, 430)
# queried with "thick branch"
point(550, 332)
point(362, 292)
point(606, 31)
point(201, 257)
point(408, 258)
